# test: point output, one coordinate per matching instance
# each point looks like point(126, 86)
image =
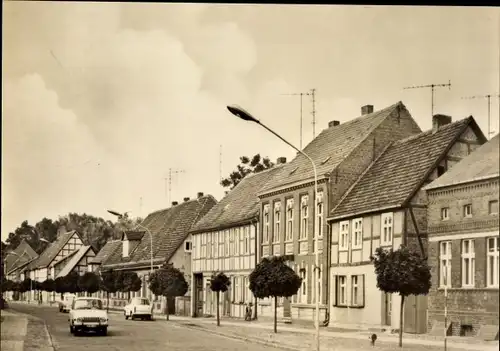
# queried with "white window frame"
point(266, 220)
point(467, 211)
point(492, 262)
point(204, 245)
point(304, 217)
point(226, 243)
point(490, 211)
point(277, 222)
point(445, 264)
point(317, 285)
point(344, 236)
point(289, 221)
point(445, 213)
point(354, 290)
point(247, 240)
point(318, 233)
point(188, 246)
point(303, 287)
point(221, 244)
point(387, 229)
point(342, 286)
point(470, 257)
point(357, 233)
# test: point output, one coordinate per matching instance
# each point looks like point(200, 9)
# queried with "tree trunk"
point(218, 312)
point(401, 315)
point(128, 295)
point(166, 307)
point(275, 314)
point(107, 301)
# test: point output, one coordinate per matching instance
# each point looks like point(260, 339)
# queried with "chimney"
point(281, 160)
point(186, 199)
point(366, 109)
point(174, 203)
point(200, 195)
point(333, 124)
point(440, 120)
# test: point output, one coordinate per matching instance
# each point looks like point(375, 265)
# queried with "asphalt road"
point(133, 335)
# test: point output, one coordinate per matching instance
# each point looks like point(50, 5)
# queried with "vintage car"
point(66, 302)
point(88, 314)
point(138, 307)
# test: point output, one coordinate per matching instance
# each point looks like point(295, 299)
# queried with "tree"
point(168, 281)
point(71, 281)
point(255, 165)
point(273, 278)
point(402, 271)
point(61, 286)
point(219, 282)
point(107, 283)
point(89, 282)
point(48, 285)
point(131, 282)
point(26, 285)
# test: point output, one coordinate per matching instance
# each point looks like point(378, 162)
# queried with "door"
point(388, 308)
point(198, 296)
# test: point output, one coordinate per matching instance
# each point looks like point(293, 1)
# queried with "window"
point(221, 244)
point(188, 246)
point(344, 235)
point(342, 290)
point(247, 240)
point(357, 290)
point(265, 232)
point(445, 264)
point(236, 295)
point(357, 233)
point(468, 263)
point(277, 222)
point(493, 207)
point(318, 234)
point(444, 214)
point(492, 262)
point(226, 242)
point(304, 215)
point(289, 220)
point(468, 210)
point(303, 287)
point(203, 245)
point(387, 229)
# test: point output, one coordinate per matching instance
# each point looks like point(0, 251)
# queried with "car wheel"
point(131, 316)
point(71, 329)
point(125, 314)
point(104, 331)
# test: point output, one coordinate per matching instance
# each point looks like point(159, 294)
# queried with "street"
point(132, 335)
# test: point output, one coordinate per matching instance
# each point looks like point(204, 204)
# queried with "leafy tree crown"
point(219, 282)
point(168, 281)
point(89, 282)
point(272, 277)
point(107, 282)
point(247, 166)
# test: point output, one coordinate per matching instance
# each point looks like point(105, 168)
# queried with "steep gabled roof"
point(22, 254)
point(399, 171)
point(108, 249)
point(48, 255)
point(330, 148)
point(169, 227)
point(482, 163)
point(79, 254)
point(239, 205)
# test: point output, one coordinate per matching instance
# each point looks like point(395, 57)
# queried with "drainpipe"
point(256, 255)
point(327, 270)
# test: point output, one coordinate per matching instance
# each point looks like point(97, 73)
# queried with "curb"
point(45, 329)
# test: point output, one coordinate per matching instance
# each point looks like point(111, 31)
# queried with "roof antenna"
point(489, 96)
point(432, 86)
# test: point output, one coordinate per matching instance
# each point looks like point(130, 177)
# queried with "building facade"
point(386, 207)
point(225, 240)
point(464, 245)
point(293, 222)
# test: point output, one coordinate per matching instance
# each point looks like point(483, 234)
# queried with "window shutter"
point(335, 289)
point(361, 290)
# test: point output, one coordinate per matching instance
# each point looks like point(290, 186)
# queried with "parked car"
point(139, 307)
point(88, 314)
point(66, 302)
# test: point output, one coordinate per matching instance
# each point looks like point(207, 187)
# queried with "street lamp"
point(246, 116)
point(122, 216)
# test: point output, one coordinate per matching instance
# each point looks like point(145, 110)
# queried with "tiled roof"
point(169, 227)
point(397, 173)
point(51, 251)
point(329, 148)
point(108, 249)
point(482, 163)
point(240, 204)
point(80, 253)
point(22, 254)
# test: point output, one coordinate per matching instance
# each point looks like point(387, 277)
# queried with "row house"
point(463, 229)
point(386, 207)
point(168, 230)
point(56, 257)
point(16, 260)
point(225, 239)
point(293, 221)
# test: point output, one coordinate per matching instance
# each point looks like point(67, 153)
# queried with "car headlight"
point(103, 319)
point(77, 320)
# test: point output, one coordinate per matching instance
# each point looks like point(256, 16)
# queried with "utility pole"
point(311, 93)
point(445, 276)
point(432, 86)
point(488, 97)
point(220, 163)
point(168, 180)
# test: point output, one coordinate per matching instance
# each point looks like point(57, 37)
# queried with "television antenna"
point(488, 97)
point(433, 87)
point(311, 93)
point(168, 181)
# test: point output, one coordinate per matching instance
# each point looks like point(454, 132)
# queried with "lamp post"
point(445, 278)
point(246, 116)
point(122, 216)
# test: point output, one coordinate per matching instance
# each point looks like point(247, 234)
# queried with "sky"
point(100, 100)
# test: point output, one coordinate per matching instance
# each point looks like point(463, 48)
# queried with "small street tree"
point(168, 281)
point(273, 278)
point(107, 284)
point(71, 281)
point(402, 271)
point(131, 282)
point(89, 282)
point(60, 286)
point(219, 282)
point(49, 286)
